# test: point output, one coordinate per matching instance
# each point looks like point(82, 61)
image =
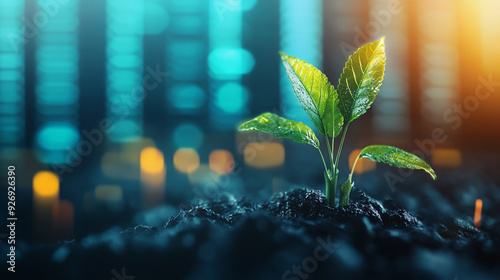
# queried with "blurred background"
point(109, 107)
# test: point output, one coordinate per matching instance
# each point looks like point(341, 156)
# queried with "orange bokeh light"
point(447, 157)
point(363, 164)
point(477, 213)
point(264, 155)
point(152, 160)
point(186, 160)
point(221, 161)
point(46, 184)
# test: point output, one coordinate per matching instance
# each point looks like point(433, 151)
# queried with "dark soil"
point(294, 235)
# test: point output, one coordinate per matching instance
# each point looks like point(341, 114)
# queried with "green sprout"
point(332, 111)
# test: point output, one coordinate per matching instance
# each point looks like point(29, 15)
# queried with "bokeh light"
point(185, 59)
point(221, 161)
point(12, 120)
point(227, 63)
point(56, 89)
point(186, 160)
point(46, 184)
point(264, 155)
point(57, 136)
point(447, 158)
point(477, 213)
point(187, 98)
point(363, 164)
point(246, 5)
point(210, 65)
point(299, 38)
point(231, 98)
point(155, 18)
point(125, 59)
point(125, 130)
point(188, 136)
point(152, 160)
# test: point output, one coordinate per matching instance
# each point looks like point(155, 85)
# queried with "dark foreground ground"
point(293, 235)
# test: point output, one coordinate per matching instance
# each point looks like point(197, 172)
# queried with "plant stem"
point(341, 144)
point(330, 189)
point(345, 189)
point(330, 149)
point(333, 148)
point(342, 197)
point(353, 167)
point(324, 163)
point(333, 185)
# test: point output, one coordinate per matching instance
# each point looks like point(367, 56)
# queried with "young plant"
point(332, 111)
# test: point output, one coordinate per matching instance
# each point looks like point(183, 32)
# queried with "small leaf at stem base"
point(345, 191)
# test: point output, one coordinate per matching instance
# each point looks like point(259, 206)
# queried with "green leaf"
point(316, 94)
point(282, 128)
point(395, 157)
point(333, 119)
point(361, 80)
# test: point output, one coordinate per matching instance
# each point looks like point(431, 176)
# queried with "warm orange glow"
point(153, 176)
point(264, 155)
point(152, 160)
point(154, 180)
point(186, 160)
point(123, 162)
point(153, 188)
point(447, 157)
point(221, 161)
point(45, 196)
point(477, 214)
point(108, 193)
point(46, 184)
point(363, 164)
point(490, 34)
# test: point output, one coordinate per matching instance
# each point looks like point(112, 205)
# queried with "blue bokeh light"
point(231, 98)
point(187, 98)
point(125, 29)
point(230, 63)
point(56, 91)
point(11, 78)
point(125, 131)
point(188, 136)
point(57, 137)
point(303, 39)
point(156, 18)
